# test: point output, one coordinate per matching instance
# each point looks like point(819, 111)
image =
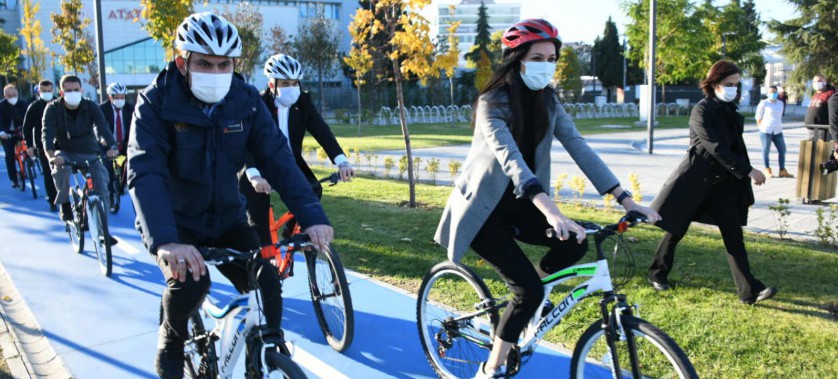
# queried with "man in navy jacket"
point(192, 130)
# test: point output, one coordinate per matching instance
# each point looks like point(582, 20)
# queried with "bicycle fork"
point(612, 324)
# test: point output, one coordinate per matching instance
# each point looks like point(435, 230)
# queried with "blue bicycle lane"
point(107, 327)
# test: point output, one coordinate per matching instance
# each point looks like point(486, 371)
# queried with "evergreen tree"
point(483, 39)
point(809, 40)
point(609, 57)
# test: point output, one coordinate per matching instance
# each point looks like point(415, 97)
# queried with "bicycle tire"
point(21, 179)
point(75, 226)
point(661, 356)
point(30, 172)
point(200, 358)
point(330, 297)
point(98, 225)
point(449, 346)
point(279, 366)
point(115, 200)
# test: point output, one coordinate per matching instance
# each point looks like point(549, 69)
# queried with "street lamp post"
point(650, 126)
point(624, 67)
point(100, 49)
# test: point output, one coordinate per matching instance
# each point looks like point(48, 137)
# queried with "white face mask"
point(538, 74)
point(286, 96)
point(119, 103)
point(46, 96)
point(819, 86)
point(12, 100)
point(210, 88)
point(72, 98)
point(726, 94)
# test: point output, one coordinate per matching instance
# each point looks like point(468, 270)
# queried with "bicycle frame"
point(232, 330)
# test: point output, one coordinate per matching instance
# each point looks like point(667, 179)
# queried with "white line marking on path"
point(316, 366)
point(126, 247)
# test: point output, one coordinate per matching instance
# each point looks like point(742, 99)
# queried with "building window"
point(309, 10)
point(141, 57)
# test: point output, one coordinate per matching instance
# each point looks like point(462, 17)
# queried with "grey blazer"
point(494, 160)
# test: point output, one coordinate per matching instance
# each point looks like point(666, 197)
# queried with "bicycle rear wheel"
point(75, 226)
point(30, 172)
point(115, 199)
point(641, 350)
point(456, 317)
point(199, 351)
point(98, 225)
point(330, 297)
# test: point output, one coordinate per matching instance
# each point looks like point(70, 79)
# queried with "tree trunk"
point(359, 110)
point(410, 177)
point(451, 88)
point(322, 94)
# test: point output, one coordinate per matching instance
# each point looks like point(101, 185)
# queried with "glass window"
point(142, 57)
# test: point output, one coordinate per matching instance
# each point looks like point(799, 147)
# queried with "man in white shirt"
point(770, 122)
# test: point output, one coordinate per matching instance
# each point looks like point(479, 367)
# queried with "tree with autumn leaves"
point(68, 31)
point(34, 50)
point(162, 19)
point(407, 45)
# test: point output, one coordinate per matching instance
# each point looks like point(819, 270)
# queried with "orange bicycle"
point(327, 280)
point(25, 167)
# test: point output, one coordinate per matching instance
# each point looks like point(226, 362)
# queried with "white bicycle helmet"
point(282, 66)
point(117, 89)
point(208, 33)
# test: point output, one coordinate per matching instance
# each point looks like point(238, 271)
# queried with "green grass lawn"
point(791, 336)
point(389, 137)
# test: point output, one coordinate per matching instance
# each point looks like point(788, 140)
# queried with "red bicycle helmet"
point(529, 30)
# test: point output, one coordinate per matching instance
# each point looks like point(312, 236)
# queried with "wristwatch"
point(623, 196)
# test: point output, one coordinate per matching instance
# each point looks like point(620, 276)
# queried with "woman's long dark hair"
point(529, 108)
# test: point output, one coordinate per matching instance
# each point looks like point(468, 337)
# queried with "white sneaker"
point(481, 374)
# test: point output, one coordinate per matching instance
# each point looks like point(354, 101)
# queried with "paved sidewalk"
point(624, 152)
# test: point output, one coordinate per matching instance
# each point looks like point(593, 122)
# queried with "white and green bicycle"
point(457, 317)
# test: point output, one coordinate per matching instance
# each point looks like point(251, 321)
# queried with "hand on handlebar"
point(181, 258)
point(564, 226)
point(260, 185)
point(651, 215)
point(346, 172)
point(320, 235)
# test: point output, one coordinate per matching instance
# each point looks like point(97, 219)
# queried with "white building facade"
point(502, 14)
point(134, 59)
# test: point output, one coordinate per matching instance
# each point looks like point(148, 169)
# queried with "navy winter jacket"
point(183, 164)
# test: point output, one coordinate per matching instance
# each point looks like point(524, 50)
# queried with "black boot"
point(65, 212)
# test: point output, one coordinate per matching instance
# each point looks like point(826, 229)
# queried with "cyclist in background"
point(118, 113)
point(72, 127)
point(32, 127)
point(293, 114)
point(12, 111)
point(193, 128)
point(500, 197)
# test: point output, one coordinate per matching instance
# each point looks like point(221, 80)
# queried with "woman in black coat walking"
point(712, 184)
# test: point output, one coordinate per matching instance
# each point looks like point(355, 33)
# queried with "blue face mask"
point(773, 96)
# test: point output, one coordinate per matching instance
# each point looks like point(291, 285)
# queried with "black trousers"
point(49, 185)
point(721, 203)
point(518, 219)
point(182, 299)
point(258, 205)
point(11, 162)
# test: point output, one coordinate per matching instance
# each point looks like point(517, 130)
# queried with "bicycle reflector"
point(622, 226)
point(90, 183)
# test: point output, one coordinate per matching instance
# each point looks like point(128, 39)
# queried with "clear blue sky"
point(584, 20)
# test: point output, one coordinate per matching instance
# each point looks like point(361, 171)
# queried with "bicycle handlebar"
point(333, 179)
point(630, 219)
point(215, 256)
point(81, 164)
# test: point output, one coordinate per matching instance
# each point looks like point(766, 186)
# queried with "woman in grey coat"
point(500, 197)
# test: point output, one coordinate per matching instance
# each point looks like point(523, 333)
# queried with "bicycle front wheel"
point(30, 172)
point(115, 199)
point(457, 318)
point(75, 227)
point(330, 297)
point(640, 350)
point(98, 223)
point(199, 351)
